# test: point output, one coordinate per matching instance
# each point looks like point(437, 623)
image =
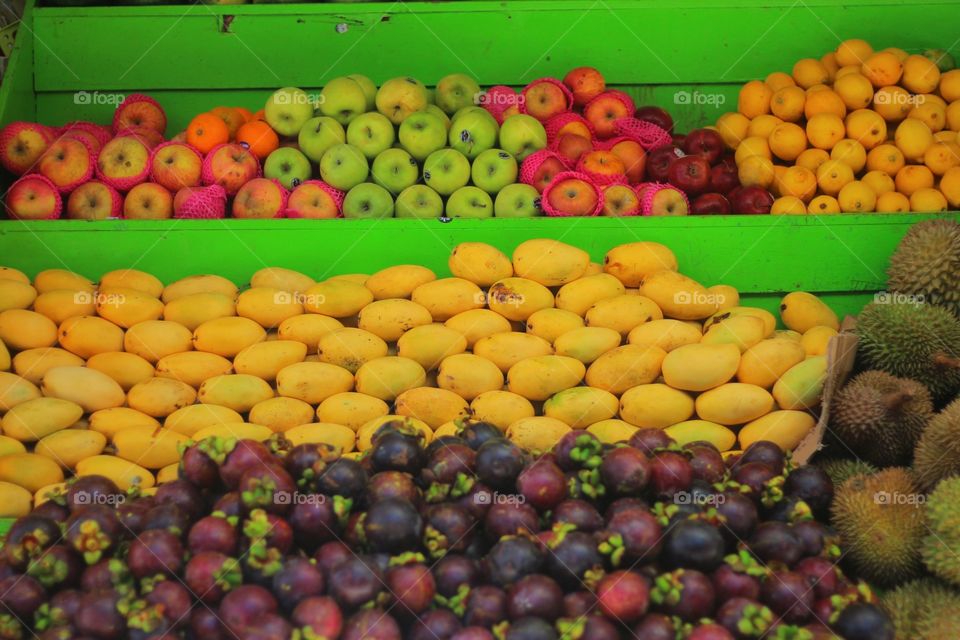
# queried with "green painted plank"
point(16, 92)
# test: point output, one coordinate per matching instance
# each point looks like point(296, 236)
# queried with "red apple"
point(573, 197)
point(545, 172)
point(138, 110)
point(620, 200)
point(659, 160)
point(586, 83)
point(634, 159)
point(176, 165)
point(604, 111)
point(86, 137)
point(66, 163)
point(313, 199)
point(710, 203)
point(751, 200)
point(22, 144)
point(572, 146)
point(679, 139)
point(690, 173)
point(724, 178)
point(706, 143)
point(33, 197)
point(603, 165)
point(544, 99)
point(260, 198)
point(123, 163)
point(94, 200)
point(657, 116)
point(148, 201)
point(230, 166)
point(150, 138)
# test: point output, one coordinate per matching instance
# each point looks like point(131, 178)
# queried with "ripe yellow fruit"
point(198, 284)
point(32, 364)
point(732, 127)
point(353, 278)
point(15, 501)
point(16, 295)
point(754, 99)
point(60, 304)
point(159, 397)
point(351, 409)
point(336, 298)
point(900, 53)
point(192, 367)
point(583, 293)
point(15, 275)
point(764, 363)
point(823, 101)
point(53, 279)
point(15, 390)
point(678, 296)
point(109, 422)
point(823, 205)
point(540, 377)
point(314, 382)
point(801, 311)
point(625, 367)
point(698, 367)
point(623, 313)
point(149, 448)
point(787, 103)
point(30, 471)
point(825, 130)
point(517, 299)
point(743, 331)
point(802, 384)
point(733, 403)
point(892, 202)
point(308, 329)
point(769, 322)
point(942, 156)
point(156, 339)
point(798, 182)
point(268, 306)
point(893, 103)
point(87, 387)
point(631, 263)
point(549, 262)
point(912, 178)
point(446, 297)
point(857, 197)
point(812, 159)
point(920, 74)
point(433, 406)
point(949, 185)
point(479, 263)
point(227, 336)
point(193, 310)
point(195, 418)
point(586, 344)
point(125, 474)
point(931, 112)
point(853, 51)
point(785, 428)
point(127, 369)
point(816, 339)
point(950, 85)
point(913, 137)
point(928, 200)
point(833, 175)
point(341, 438)
point(507, 349)
point(385, 378)
point(655, 406)
point(538, 434)
point(21, 329)
point(239, 392)
point(879, 181)
point(667, 334)
point(702, 430)
point(37, 418)
point(829, 61)
point(788, 205)
point(882, 69)
point(581, 407)
point(866, 127)
point(778, 80)
point(809, 72)
point(366, 432)
point(612, 431)
point(348, 348)
point(887, 158)
point(855, 90)
point(787, 141)
point(478, 323)
point(238, 430)
point(430, 344)
point(501, 408)
point(391, 318)
point(282, 279)
point(398, 281)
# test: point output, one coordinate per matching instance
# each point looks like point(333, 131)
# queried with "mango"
point(624, 367)
point(815, 340)
point(193, 310)
point(190, 420)
point(156, 339)
point(468, 375)
point(127, 307)
point(150, 448)
point(227, 336)
point(678, 296)
point(586, 344)
point(389, 319)
point(266, 359)
point(507, 349)
point(280, 414)
point(50, 492)
point(132, 279)
point(578, 296)
point(741, 331)
point(501, 408)
point(60, 304)
point(15, 501)
point(550, 262)
point(517, 299)
point(698, 367)
point(349, 348)
point(341, 438)
point(763, 363)
point(313, 382)
point(336, 298)
point(351, 409)
point(353, 278)
point(480, 263)
point(87, 336)
point(32, 364)
point(787, 334)
point(433, 406)
point(446, 429)
point(801, 387)
point(159, 397)
point(125, 474)
point(388, 377)
point(550, 324)
point(623, 313)
point(53, 279)
point(446, 297)
point(5, 360)
point(15, 390)
point(702, 430)
point(540, 377)
point(193, 367)
point(10, 445)
point(580, 407)
point(478, 323)
point(369, 430)
point(30, 471)
point(802, 311)
point(612, 431)
point(769, 321)
point(109, 422)
point(268, 306)
point(308, 329)
point(655, 406)
point(9, 273)
point(631, 263)
point(734, 403)
point(785, 428)
point(239, 392)
point(667, 334)
point(127, 369)
point(192, 285)
point(88, 388)
point(726, 296)
point(398, 281)
point(21, 329)
point(282, 279)
point(430, 344)
point(16, 295)
point(70, 446)
point(169, 473)
point(238, 430)
point(538, 434)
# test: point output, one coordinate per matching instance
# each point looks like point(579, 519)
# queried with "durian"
point(927, 264)
point(880, 520)
point(842, 469)
point(937, 455)
point(881, 417)
point(915, 341)
point(941, 546)
point(924, 609)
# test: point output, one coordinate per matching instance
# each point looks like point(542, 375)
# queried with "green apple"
point(343, 100)
point(369, 89)
point(368, 200)
point(343, 166)
point(437, 111)
point(517, 200)
point(422, 133)
point(465, 110)
point(289, 166)
point(395, 170)
point(446, 170)
point(493, 170)
point(399, 97)
point(319, 134)
point(473, 133)
point(521, 135)
point(287, 110)
point(371, 133)
point(457, 91)
point(419, 201)
point(469, 202)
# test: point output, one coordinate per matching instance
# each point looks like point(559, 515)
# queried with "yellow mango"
point(349, 348)
point(169, 473)
point(132, 279)
point(15, 390)
point(125, 474)
point(192, 285)
point(193, 310)
point(480, 263)
point(517, 299)
point(283, 279)
point(150, 448)
point(88, 388)
point(60, 304)
point(667, 334)
point(32, 364)
point(238, 430)
point(631, 263)
point(239, 392)
point(624, 367)
point(612, 431)
point(478, 323)
point(550, 262)
point(540, 377)
point(193, 367)
point(446, 429)
point(21, 329)
point(698, 367)
point(227, 336)
point(111, 421)
point(308, 329)
point(10, 445)
point(369, 430)
point(815, 340)
point(741, 331)
point(127, 307)
point(801, 387)
point(580, 407)
point(763, 363)
point(802, 311)
point(433, 406)
point(655, 406)
point(446, 297)
point(190, 420)
point(280, 414)
point(398, 281)
point(351, 409)
point(70, 446)
point(159, 397)
point(268, 306)
point(389, 319)
point(696, 430)
point(313, 382)
point(501, 408)
point(623, 313)
point(785, 428)
point(429, 344)
point(538, 434)
point(550, 324)
point(787, 334)
point(87, 336)
point(353, 278)
point(678, 296)
point(507, 349)
point(586, 344)
point(127, 369)
point(734, 403)
point(16, 295)
point(726, 296)
point(336, 298)
point(30, 471)
point(769, 321)
point(5, 360)
point(156, 339)
point(9, 273)
point(341, 438)
point(266, 359)
point(53, 279)
point(49, 492)
point(15, 501)
point(388, 377)
point(468, 375)
point(578, 296)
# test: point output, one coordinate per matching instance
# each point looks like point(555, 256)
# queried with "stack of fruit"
point(856, 131)
point(113, 378)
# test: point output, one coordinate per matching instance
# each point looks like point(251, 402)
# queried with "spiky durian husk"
point(924, 609)
point(842, 469)
point(916, 341)
point(941, 546)
point(937, 455)
point(927, 263)
point(881, 417)
point(880, 520)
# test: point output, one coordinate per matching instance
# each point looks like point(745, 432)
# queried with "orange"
point(787, 103)
point(879, 181)
point(931, 113)
point(812, 159)
point(950, 187)
point(778, 171)
point(845, 71)
point(851, 152)
point(892, 103)
point(928, 200)
point(732, 127)
point(941, 156)
point(787, 141)
point(893, 202)
point(913, 137)
point(913, 177)
point(886, 158)
point(829, 61)
point(824, 100)
point(833, 175)
point(778, 80)
point(207, 131)
point(920, 74)
point(809, 71)
point(754, 99)
point(752, 146)
point(246, 113)
point(763, 125)
point(231, 116)
point(882, 69)
point(953, 115)
point(853, 51)
point(825, 130)
point(259, 137)
point(950, 85)
point(823, 205)
point(866, 127)
point(855, 90)
point(798, 182)
point(857, 197)
point(900, 53)
point(756, 171)
point(788, 205)
point(945, 136)
point(259, 115)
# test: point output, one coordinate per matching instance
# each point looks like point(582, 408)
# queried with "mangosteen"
point(57, 567)
point(486, 606)
point(709, 631)
point(693, 544)
point(789, 595)
point(314, 521)
point(305, 462)
point(183, 494)
point(29, 536)
point(756, 476)
point(625, 471)
point(744, 618)
point(393, 525)
point(476, 432)
point(862, 621)
point(93, 531)
point(766, 453)
point(542, 484)
point(133, 513)
point(579, 513)
point(213, 533)
point(398, 451)
point(229, 504)
point(241, 606)
point(706, 462)
point(98, 616)
point(509, 518)
point(393, 484)
point(53, 510)
point(597, 627)
point(454, 570)
point(168, 517)
point(530, 629)
point(330, 554)
point(498, 463)
point(268, 487)
point(649, 440)
point(776, 542)
point(511, 559)
point(298, 579)
point(639, 534)
point(623, 595)
point(371, 624)
point(736, 581)
point(577, 449)
point(822, 574)
point(267, 627)
point(155, 552)
point(355, 581)
point(670, 472)
point(813, 486)
point(579, 603)
point(438, 624)
point(655, 626)
point(684, 593)
point(87, 491)
point(445, 464)
point(204, 624)
point(472, 633)
point(535, 595)
point(816, 538)
point(172, 599)
point(572, 557)
point(211, 574)
point(739, 515)
point(245, 454)
point(412, 587)
point(21, 596)
point(449, 527)
point(343, 477)
point(318, 615)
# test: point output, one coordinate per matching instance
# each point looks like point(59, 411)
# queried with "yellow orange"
point(823, 205)
point(920, 74)
point(857, 197)
point(825, 130)
point(778, 171)
point(853, 51)
point(829, 61)
point(953, 115)
point(231, 117)
point(945, 136)
point(798, 182)
point(893, 103)
point(259, 137)
point(207, 131)
point(809, 71)
point(879, 181)
point(913, 137)
point(788, 205)
point(941, 157)
point(833, 175)
point(824, 100)
point(950, 85)
point(732, 127)
point(756, 171)
point(761, 126)
point(866, 127)
point(892, 202)
point(912, 178)
point(812, 159)
point(855, 90)
point(754, 99)
point(787, 103)
point(950, 187)
point(752, 146)
point(882, 68)
point(787, 141)
point(778, 80)
point(850, 152)
point(897, 51)
point(845, 71)
point(886, 158)
point(931, 113)
point(928, 200)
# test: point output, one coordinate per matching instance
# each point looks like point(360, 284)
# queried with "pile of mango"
point(116, 377)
